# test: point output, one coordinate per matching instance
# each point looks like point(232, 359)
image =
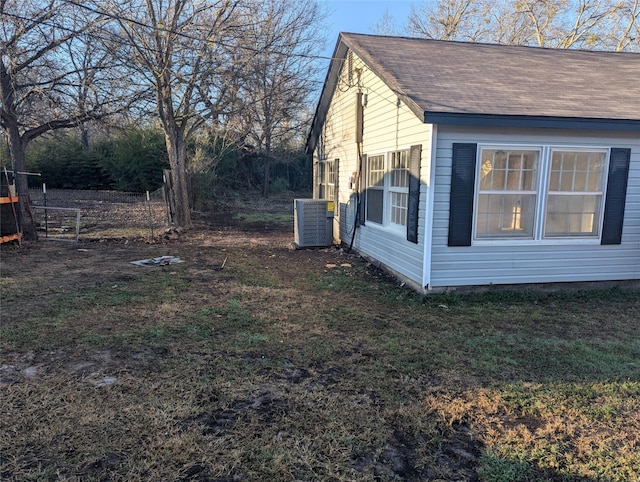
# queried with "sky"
point(359, 16)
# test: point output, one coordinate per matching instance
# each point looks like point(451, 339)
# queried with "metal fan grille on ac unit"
point(313, 222)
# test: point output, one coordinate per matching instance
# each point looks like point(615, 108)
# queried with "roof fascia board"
point(492, 120)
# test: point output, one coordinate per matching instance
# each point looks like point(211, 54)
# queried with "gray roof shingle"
point(468, 83)
point(472, 78)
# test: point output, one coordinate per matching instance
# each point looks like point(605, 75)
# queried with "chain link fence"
point(67, 214)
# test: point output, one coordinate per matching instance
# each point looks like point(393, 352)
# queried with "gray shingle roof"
point(468, 78)
point(468, 83)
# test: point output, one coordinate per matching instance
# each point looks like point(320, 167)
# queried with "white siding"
point(388, 126)
point(533, 262)
point(337, 141)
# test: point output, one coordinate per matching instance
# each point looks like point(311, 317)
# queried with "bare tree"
point(282, 39)
point(620, 30)
point(39, 86)
point(178, 48)
point(587, 24)
point(447, 20)
point(568, 23)
point(95, 66)
point(504, 25)
point(386, 25)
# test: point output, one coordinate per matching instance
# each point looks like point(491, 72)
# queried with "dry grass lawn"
point(301, 365)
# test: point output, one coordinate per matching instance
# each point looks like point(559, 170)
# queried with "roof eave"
point(495, 120)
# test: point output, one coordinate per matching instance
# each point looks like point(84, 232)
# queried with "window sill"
point(400, 231)
point(537, 242)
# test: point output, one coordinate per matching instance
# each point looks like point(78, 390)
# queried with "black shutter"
point(616, 196)
point(463, 176)
point(362, 196)
point(414, 193)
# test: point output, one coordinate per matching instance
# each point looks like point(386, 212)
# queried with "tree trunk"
point(84, 137)
point(25, 217)
point(267, 164)
point(16, 144)
point(267, 176)
point(177, 151)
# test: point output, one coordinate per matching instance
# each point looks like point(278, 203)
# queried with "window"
point(580, 193)
point(539, 193)
point(399, 187)
point(327, 179)
point(507, 193)
point(388, 188)
point(375, 191)
point(392, 195)
point(575, 193)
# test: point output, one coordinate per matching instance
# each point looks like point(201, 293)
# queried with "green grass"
point(265, 217)
point(279, 368)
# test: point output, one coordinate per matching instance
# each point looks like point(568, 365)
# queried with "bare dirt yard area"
point(249, 360)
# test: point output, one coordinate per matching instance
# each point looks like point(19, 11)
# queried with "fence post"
point(46, 215)
point(150, 215)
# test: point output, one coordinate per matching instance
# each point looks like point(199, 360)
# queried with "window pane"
point(513, 180)
point(326, 180)
point(376, 171)
point(400, 169)
point(576, 171)
point(399, 178)
point(582, 161)
point(502, 215)
point(515, 161)
point(331, 172)
point(529, 179)
point(374, 205)
point(503, 170)
point(573, 215)
point(321, 180)
point(594, 182)
point(399, 203)
point(566, 179)
point(574, 200)
point(499, 159)
point(507, 198)
point(596, 161)
point(580, 180)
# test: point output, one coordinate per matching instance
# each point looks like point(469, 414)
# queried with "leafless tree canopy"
point(278, 46)
point(585, 24)
point(241, 69)
point(57, 71)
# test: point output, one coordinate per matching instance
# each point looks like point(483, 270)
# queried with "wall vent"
point(313, 222)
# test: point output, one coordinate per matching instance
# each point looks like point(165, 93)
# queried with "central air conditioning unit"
point(313, 222)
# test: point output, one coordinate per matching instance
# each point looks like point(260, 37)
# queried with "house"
point(458, 164)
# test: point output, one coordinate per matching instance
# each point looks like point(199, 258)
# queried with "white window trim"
point(398, 190)
point(323, 165)
point(541, 196)
point(387, 225)
point(605, 173)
